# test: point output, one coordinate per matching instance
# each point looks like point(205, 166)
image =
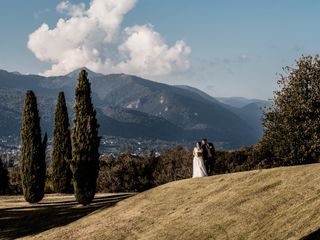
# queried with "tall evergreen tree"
point(4, 179)
point(33, 165)
point(85, 140)
point(61, 152)
point(292, 125)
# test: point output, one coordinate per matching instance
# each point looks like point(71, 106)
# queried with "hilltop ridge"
point(279, 203)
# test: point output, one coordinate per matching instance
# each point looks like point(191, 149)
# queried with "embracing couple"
point(203, 154)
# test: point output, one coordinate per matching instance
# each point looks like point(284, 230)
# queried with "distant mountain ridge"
point(250, 110)
point(130, 106)
point(240, 102)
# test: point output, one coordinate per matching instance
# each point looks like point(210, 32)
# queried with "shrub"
point(4, 179)
point(127, 173)
point(15, 181)
point(172, 164)
point(130, 173)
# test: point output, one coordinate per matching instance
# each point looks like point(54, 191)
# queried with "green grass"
point(280, 203)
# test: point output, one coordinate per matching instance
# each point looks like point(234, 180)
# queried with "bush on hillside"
point(172, 164)
point(4, 179)
point(130, 173)
point(244, 159)
point(127, 173)
point(15, 182)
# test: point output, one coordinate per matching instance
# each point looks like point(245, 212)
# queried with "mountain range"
point(130, 106)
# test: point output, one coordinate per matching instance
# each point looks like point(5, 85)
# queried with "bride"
point(199, 170)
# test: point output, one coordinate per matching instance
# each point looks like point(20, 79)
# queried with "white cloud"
point(147, 53)
point(74, 10)
point(92, 37)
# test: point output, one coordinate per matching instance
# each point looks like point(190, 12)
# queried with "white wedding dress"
point(199, 170)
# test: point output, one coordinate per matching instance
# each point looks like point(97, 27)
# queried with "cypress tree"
point(61, 152)
point(4, 179)
point(33, 165)
point(85, 140)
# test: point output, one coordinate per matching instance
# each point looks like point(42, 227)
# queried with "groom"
point(208, 152)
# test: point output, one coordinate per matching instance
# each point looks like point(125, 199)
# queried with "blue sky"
point(237, 47)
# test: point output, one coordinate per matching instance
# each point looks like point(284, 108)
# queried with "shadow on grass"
point(23, 221)
point(312, 236)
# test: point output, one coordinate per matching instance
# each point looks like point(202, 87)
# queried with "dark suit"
point(212, 149)
point(204, 151)
point(205, 155)
point(208, 156)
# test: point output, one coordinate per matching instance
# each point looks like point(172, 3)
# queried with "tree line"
point(75, 155)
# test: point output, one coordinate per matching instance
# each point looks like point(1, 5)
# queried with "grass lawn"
point(19, 218)
point(280, 203)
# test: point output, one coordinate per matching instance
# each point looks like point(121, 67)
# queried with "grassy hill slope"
point(280, 203)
